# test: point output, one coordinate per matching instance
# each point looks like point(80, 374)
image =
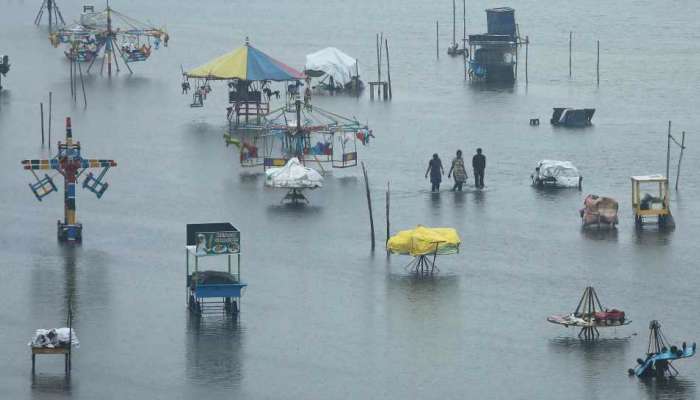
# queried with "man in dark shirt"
point(479, 165)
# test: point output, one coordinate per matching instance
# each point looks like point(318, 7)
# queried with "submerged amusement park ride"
point(335, 71)
point(4, 67)
point(556, 174)
point(71, 165)
point(659, 356)
point(53, 13)
point(268, 137)
point(422, 243)
point(210, 291)
point(107, 33)
point(493, 56)
point(590, 315)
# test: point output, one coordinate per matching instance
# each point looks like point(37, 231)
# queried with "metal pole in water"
point(41, 106)
point(387, 211)
point(50, 109)
point(527, 42)
point(571, 35)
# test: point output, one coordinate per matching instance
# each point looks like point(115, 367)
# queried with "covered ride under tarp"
point(246, 63)
point(293, 176)
point(333, 63)
point(599, 211)
point(423, 240)
point(554, 173)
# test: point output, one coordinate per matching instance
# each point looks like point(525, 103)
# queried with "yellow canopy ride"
point(423, 240)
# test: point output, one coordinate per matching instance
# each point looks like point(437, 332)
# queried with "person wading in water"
point(458, 171)
point(436, 172)
point(479, 165)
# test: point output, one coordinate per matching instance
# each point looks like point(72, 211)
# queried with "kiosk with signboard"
point(213, 283)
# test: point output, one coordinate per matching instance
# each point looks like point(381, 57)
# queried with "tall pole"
point(668, 149)
point(571, 34)
point(50, 110)
point(597, 63)
point(527, 42)
point(464, 21)
point(437, 40)
point(369, 203)
point(388, 70)
point(680, 158)
point(108, 48)
point(49, 8)
point(387, 212)
point(41, 106)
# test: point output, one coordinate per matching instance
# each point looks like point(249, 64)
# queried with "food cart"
point(209, 288)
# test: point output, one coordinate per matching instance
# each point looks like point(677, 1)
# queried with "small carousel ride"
point(659, 356)
point(213, 290)
point(423, 243)
point(590, 315)
point(109, 32)
point(248, 73)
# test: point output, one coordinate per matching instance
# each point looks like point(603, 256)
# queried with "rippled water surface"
point(323, 316)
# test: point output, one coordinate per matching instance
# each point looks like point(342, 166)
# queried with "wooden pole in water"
point(41, 106)
point(437, 39)
point(49, 8)
point(388, 69)
point(82, 84)
point(369, 203)
point(527, 42)
point(680, 158)
point(50, 109)
point(387, 212)
point(571, 35)
point(668, 149)
point(379, 68)
point(597, 63)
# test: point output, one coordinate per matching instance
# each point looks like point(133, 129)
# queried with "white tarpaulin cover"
point(333, 62)
point(293, 176)
point(564, 172)
point(51, 338)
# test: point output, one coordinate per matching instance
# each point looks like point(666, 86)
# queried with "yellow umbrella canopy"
point(424, 240)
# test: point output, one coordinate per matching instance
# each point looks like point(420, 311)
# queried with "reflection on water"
point(51, 384)
point(214, 350)
point(652, 235)
point(602, 234)
point(678, 388)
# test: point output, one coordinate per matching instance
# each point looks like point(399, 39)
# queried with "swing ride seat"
point(81, 56)
point(43, 187)
point(95, 184)
point(137, 55)
point(348, 160)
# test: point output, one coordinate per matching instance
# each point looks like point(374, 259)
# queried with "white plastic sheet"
point(333, 62)
point(293, 176)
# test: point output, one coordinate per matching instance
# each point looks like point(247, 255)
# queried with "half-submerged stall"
point(218, 288)
point(599, 211)
point(295, 178)
point(58, 341)
point(651, 206)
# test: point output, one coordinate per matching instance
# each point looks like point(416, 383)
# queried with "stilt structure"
point(586, 309)
point(423, 265)
point(590, 315)
point(659, 356)
point(69, 163)
point(53, 12)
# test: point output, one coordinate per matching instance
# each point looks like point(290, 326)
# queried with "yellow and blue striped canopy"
point(247, 63)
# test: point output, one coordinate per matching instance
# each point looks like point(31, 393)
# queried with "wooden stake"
point(82, 84)
point(597, 63)
point(668, 149)
point(680, 158)
point(50, 109)
point(571, 34)
point(527, 42)
point(41, 106)
point(437, 39)
point(387, 212)
point(388, 69)
point(369, 203)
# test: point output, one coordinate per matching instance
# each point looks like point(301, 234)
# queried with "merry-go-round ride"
point(659, 355)
point(295, 178)
point(424, 243)
point(107, 33)
point(211, 287)
point(590, 315)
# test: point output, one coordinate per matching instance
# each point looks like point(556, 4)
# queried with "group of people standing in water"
point(457, 170)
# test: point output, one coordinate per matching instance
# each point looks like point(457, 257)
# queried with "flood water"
point(324, 317)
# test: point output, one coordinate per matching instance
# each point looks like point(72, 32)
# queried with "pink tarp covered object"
point(599, 210)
